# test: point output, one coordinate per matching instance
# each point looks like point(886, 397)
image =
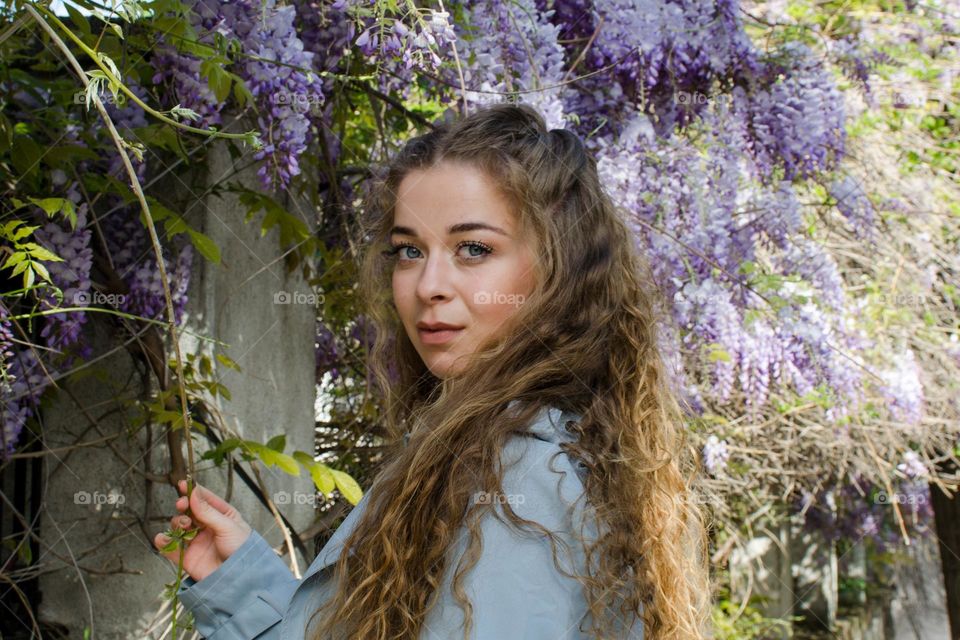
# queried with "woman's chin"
point(444, 367)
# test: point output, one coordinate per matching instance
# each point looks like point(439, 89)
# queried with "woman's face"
point(460, 261)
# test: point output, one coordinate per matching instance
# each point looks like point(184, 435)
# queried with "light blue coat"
point(515, 589)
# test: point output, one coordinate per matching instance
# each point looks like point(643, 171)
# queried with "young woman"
point(537, 489)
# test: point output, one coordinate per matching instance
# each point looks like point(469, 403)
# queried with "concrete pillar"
point(853, 568)
point(815, 577)
point(762, 569)
point(102, 515)
point(93, 509)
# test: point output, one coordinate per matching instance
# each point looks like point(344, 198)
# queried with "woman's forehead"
point(451, 194)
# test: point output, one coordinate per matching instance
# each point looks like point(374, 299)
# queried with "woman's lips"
point(439, 336)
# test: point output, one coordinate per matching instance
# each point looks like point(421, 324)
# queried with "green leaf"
point(292, 229)
point(322, 478)
point(319, 473)
point(6, 134)
point(27, 155)
point(8, 229)
point(42, 254)
point(63, 156)
point(173, 545)
point(242, 94)
point(207, 247)
point(14, 259)
point(217, 454)
point(303, 458)
point(157, 211)
point(175, 225)
point(23, 232)
point(178, 112)
point(227, 362)
point(41, 271)
point(108, 62)
point(50, 205)
point(96, 183)
point(169, 24)
point(163, 136)
point(347, 486)
point(277, 442)
point(175, 418)
point(79, 22)
point(21, 266)
point(273, 458)
point(96, 80)
point(217, 77)
point(25, 553)
point(717, 352)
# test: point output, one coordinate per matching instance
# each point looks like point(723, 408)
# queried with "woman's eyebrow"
point(462, 227)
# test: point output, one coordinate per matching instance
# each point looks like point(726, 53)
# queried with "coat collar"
point(549, 425)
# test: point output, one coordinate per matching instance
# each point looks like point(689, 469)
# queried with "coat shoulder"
point(538, 450)
point(543, 483)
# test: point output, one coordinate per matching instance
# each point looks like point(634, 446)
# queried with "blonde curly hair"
point(585, 342)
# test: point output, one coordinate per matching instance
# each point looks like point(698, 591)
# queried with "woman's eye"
point(408, 256)
point(398, 249)
point(475, 250)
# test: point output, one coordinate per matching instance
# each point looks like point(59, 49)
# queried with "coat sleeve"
point(515, 588)
point(245, 597)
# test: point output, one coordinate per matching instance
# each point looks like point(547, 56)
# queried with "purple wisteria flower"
point(912, 466)
point(797, 120)
point(277, 70)
point(511, 49)
point(902, 389)
point(24, 384)
point(327, 353)
point(855, 205)
point(715, 454)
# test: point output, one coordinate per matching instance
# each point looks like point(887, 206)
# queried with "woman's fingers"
point(214, 500)
point(210, 497)
point(159, 541)
point(210, 510)
point(179, 522)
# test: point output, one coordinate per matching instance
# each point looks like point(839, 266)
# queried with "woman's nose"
point(434, 278)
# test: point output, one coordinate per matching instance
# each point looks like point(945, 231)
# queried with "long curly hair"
point(585, 341)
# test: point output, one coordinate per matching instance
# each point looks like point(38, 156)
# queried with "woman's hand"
point(221, 531)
